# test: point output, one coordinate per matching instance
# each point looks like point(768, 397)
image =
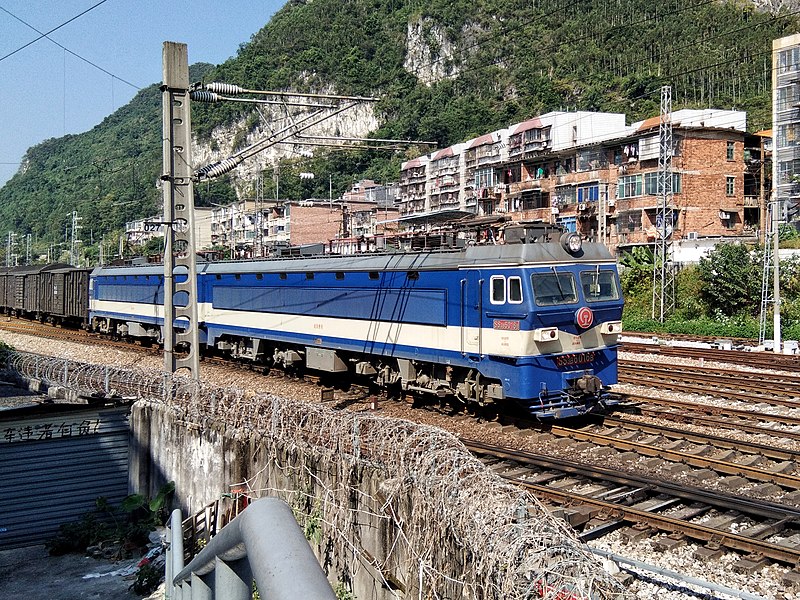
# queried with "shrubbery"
point(719, 297)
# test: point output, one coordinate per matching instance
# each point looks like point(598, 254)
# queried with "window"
point(651, 183)
point(629, 221)
point(629, 186)
point(787, 135)
point(588, 193)
point(259, 276)
point(309, 275)
point(514, 173)
point(677, 183)
point(554, 288)
point(374, 275)
point(730, 183)
point(484, 178)
point(599, 286)
point(498, 285)
point(339, 274)
point(729, 151)
point(787, 96)
point(237, 276)
point(413, 275)
point(591, 160)
point(515, 290)
point(788, 60)
point(282, 276)
point(564, 195)
point(506, 291)
point(787, 170)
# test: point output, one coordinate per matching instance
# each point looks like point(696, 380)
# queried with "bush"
point(79, 535)
point(127, 525)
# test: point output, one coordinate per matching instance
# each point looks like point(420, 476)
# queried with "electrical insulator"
point(224, 88)
point(306, 176)
point(220, 168)
point(201, 96)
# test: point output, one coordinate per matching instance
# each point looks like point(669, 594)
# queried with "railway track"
point(597, 500)
point(762, 360)
point(745, 386)
point(674, 452)
point(47, 331)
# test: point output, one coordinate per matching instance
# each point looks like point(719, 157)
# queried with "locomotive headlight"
point(571, 242)
point(611, 328)
point(545, 334)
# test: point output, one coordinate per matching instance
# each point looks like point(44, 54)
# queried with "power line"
point(75, 54)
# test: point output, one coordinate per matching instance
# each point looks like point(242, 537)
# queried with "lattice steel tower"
point(663, 268)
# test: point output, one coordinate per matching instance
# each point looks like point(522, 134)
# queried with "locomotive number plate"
point(505, 325)
point(578, 358)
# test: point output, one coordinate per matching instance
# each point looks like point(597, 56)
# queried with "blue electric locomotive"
point(533, 323)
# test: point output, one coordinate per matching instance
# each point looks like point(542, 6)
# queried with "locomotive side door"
point(471, 308)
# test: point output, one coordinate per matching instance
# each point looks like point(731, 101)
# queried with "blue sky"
point(47, 92)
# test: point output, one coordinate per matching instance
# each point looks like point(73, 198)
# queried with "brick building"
point(591, 173)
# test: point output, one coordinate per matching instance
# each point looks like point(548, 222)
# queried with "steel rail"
point(712, 421)
point(787, 384)
point(727, 393)
point(765, 360)
point(720, 466)
point(699, 438)
point(783, 515)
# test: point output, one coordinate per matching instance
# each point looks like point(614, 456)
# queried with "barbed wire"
point(406, 499)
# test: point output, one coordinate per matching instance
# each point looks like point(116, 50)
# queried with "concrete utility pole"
point(180, 261)
point(74, 240)
point(776, 289)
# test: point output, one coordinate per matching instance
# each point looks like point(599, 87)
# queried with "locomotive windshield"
point(599, 286)
point(554, 288)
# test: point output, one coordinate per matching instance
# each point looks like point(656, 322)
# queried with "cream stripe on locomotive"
point(129, 309)
point(451, 339)
point(497, 342)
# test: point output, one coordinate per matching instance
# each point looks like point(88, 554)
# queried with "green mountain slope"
point(493, 62)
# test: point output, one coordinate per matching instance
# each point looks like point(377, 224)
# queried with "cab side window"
point(498, 285)
point(515, 290)
point(506, 290)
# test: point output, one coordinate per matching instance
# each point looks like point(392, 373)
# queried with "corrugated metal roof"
point(482, 141)
point(443, 153)
point(534, 123)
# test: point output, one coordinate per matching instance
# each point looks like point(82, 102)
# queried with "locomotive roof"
point(504, 255)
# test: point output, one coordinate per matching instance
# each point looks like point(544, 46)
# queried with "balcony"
point(751, 201)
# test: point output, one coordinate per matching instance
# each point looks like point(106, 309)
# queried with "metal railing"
point(264, 544)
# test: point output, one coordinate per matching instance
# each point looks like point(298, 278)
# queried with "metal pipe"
point(276, 550)
point(680, 578)
point(174, 551)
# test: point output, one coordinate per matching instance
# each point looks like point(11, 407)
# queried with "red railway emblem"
point(584, 317)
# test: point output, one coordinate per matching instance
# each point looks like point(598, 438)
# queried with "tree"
point(731, 278)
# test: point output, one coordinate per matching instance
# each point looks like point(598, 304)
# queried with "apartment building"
point(592, 173)
point(786, 122)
